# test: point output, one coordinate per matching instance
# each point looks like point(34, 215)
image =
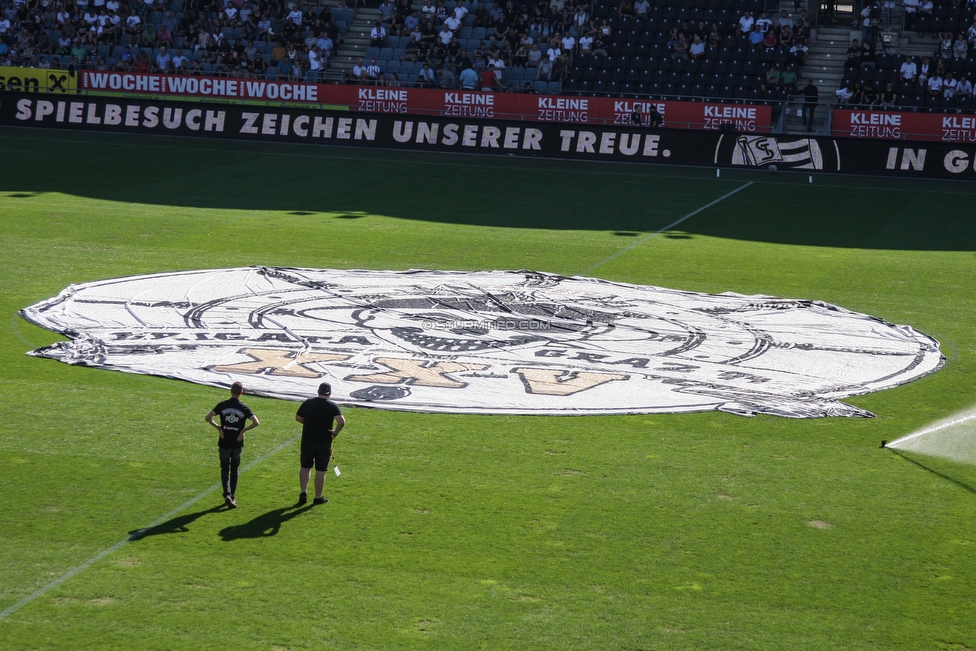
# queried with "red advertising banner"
point(900, 125)
point(450, 103)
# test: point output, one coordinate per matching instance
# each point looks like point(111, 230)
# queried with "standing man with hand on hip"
point(316, 416)
point(233, 414)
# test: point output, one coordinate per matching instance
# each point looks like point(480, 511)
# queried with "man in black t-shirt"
point(316, 416)
point(233, 415)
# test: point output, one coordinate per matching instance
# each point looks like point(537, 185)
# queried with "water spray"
point(953, 442)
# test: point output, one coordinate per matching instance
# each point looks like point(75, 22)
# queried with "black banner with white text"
point(444, 134)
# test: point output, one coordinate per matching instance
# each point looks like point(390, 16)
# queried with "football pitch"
point(633, 533)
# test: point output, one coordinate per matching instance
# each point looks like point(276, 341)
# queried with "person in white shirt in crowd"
point(746, 21)
point(163, 59)
point(179, 61)
point(585, 43)
point(964, 88)
point(554, 52)
point(764, 22)
point(315, 63)
point(295, 16)
point(372, 71)
point(911, 12)
point(908, 70)
point(377, 35)
point(445, 35)
point(935, 84)
point(949, 86)
point(359, 70)
point(568, 42)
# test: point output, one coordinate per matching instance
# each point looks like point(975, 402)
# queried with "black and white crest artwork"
point(496, 342)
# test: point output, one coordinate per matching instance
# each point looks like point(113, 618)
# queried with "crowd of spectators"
point(242, 38)
point(479, 46)
point(525, 43)
point(940, 81)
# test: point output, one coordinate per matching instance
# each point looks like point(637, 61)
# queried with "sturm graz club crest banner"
point(499, 342)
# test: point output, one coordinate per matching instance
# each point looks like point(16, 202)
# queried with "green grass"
point(471, 532)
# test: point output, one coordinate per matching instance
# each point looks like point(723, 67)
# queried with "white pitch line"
point(666, 228)
point(10, 610)
point(931, 430)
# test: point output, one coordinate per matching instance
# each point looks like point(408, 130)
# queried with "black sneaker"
point(320, 500)
point(302, 498)
point(231, 502)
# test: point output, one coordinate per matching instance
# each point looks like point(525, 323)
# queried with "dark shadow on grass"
point(921, 465)
point(176, 525)
point(267, 524)
point(573, 196)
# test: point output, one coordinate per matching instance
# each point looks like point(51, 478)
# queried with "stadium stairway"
point(354, 44)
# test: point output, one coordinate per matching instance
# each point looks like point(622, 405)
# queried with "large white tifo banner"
point(499, 342)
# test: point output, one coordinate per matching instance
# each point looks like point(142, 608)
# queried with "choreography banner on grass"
point(498, 342)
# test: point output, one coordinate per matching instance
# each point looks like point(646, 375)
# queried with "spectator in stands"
point(911, 13)
point(888, 98)
point(568, 43)
point(133, 25)
point(377, 35)
point(586, 42)
point(469, 79)
point(934, 84)
point(452, 22)
point(372, 72)
point(625, 9)
point(426, 78)
point(554, 52)
point(860, 95)
point(746, 23)
point(924, 70)
point(445, 35)
point(163, 59)
point(359, 71)
point(788, 79)
point(854, 55)
point(558, 70)
point(756, 37)
point(714, 36)
point(785, 20)
point(763, 22)
point(960, 47)
point(844, 94)
point(680, 48)
point(949, 86)
point(944, 50)
point(697, 48)
point(772, 78)
point(786, 39)
point(810, 98)
point(642, 7)
point(543, 70)
point(446, 77)
point(428, 10)
point(867, 55)
point(771, 39)
point(908, 70)
point(964, 88)
point(971, 34)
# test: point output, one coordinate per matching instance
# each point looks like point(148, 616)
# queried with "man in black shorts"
point(316, 416)
point(233, 414)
